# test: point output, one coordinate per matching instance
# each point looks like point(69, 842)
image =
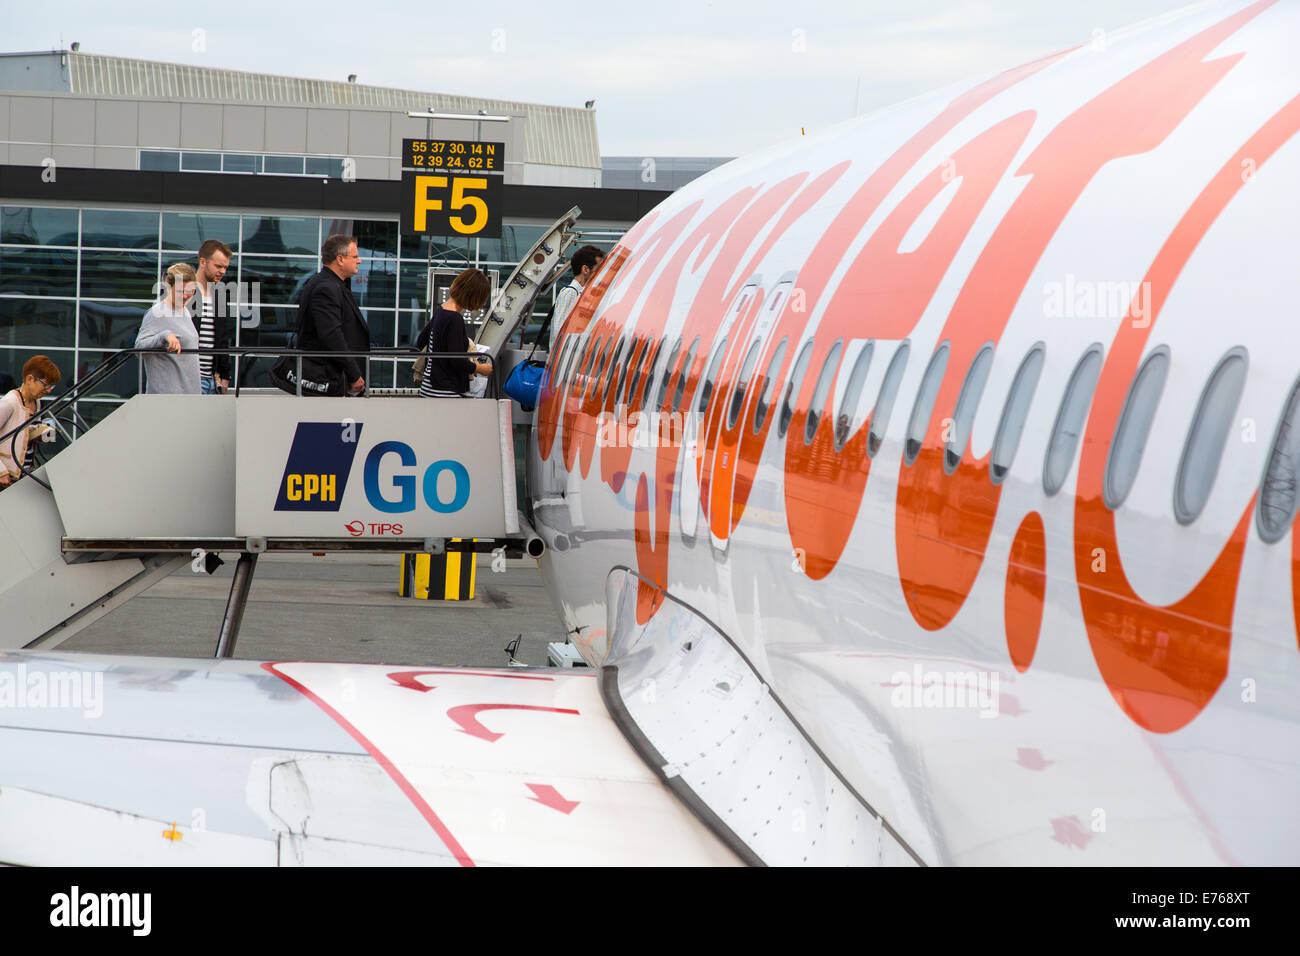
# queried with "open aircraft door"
point(543, 264)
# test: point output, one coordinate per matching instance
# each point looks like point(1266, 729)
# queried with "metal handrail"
point(66, 401)
point(408, 354)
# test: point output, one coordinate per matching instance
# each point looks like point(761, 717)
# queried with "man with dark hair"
point(584, 263)
point(214, 330)
point(329, 319)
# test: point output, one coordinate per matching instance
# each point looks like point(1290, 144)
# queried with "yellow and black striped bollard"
point(440, 577)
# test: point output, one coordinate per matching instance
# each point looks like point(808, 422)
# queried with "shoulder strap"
point(422, 340)
point(541, 332)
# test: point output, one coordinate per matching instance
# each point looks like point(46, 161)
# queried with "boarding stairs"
point(169, 480)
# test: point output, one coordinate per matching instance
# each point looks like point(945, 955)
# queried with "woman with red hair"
point(18, 407)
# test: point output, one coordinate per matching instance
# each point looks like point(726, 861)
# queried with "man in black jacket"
point(211, 309)
point(328, 316)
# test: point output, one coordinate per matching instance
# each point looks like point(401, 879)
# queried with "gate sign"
point(453, 154)
point(369, 468)
point(448, 204)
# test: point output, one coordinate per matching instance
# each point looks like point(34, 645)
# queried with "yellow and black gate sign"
point(458, 155)
point(443, 204)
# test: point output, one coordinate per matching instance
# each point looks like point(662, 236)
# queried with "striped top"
point(564, 302)
point(428, 391)
point(207, 333)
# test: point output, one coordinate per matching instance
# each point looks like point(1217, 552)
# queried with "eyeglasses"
point(48, 386)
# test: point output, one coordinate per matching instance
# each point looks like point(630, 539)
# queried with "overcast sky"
point(669, 78)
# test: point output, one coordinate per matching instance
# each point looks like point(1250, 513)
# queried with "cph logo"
point(316, 474)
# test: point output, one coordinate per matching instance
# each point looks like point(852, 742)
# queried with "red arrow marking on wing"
point(467, 716)
point(408, 678)
point(1069, 831)
point(548, 796)
point(1032, 759)
point(1010, 706)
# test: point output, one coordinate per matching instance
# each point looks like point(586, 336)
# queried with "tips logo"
point(355, 528)
point(316, 474)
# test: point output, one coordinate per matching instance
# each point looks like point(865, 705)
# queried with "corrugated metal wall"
point(555, 135)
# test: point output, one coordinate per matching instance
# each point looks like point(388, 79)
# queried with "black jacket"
point(329, 319)
point(445, 332)
point(223, 328)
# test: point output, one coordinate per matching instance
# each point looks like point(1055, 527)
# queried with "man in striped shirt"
point(584, 263)
point(213, 329)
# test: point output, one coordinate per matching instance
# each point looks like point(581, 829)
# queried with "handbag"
point(524, 384)
point(422, 345)
point(318, 378)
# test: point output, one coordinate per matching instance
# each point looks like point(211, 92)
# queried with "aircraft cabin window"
point(849, 417)
point(923, 407)
point(1070, 419)
point(1133, 427)
point(599, 367)
point(592, 348)
point(639, 357)
point(1015, 413)
point(647, 374)
point(571, 372)
point(885, 400)
point(963, 416)
point(711, 376)
point(667, 374)
point(778, 294)
point(680, 391)
point(742, 383)
point(625, 371)
point(822, 391)
point(792, 389)
point(1278, 491)
point(767, 386)
point(1209, 432)
point(614, 366)
point(561, 364)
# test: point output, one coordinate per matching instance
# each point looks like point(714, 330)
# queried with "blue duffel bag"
point(525, 383)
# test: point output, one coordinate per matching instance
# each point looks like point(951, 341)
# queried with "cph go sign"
point(400, 497)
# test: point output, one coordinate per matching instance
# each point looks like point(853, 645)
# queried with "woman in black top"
point(445, 332)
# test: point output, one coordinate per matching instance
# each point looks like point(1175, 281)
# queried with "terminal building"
point(111, 169)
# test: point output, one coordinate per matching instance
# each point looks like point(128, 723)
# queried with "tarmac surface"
point(339, 607)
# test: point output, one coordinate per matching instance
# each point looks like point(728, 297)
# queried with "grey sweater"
point(168, 373)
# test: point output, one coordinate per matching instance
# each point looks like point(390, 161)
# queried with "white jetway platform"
point(167, 478)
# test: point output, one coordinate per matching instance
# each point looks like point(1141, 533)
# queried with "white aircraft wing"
point(150, 761)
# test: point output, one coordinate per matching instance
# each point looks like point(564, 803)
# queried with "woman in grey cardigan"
point(169, 328)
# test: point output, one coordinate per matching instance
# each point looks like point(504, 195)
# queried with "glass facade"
point(256, 164)
point(76, 282)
